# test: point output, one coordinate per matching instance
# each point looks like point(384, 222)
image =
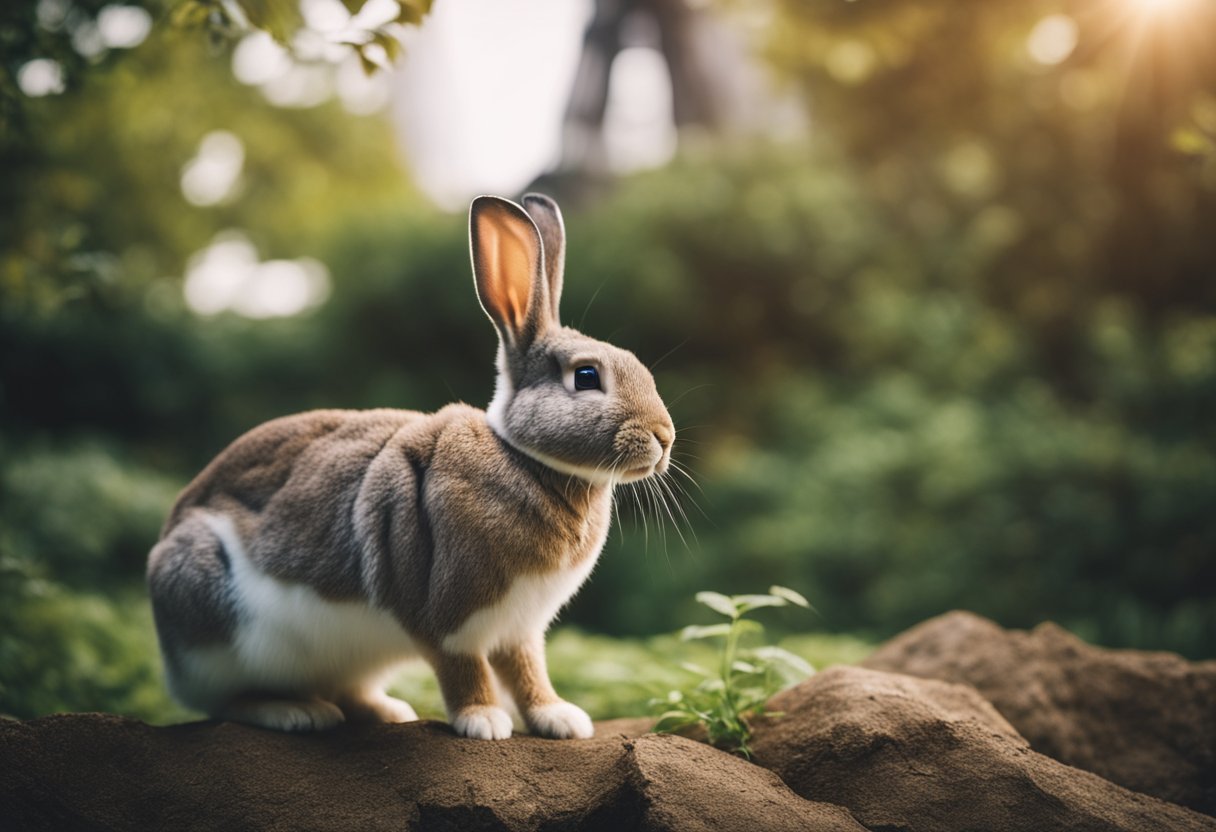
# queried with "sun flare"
point(1159, 7)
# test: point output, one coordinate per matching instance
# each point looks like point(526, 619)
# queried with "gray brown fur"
point(428, 517)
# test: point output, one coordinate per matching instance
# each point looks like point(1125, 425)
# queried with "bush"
point(868, 422)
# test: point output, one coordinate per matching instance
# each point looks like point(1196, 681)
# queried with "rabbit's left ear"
point(508, 268)
point(548, 218)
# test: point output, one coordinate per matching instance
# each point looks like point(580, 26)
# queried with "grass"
point(611, 677)
point(76, 652)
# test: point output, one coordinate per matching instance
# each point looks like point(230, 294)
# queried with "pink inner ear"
point(516, 307)
point(509, 260)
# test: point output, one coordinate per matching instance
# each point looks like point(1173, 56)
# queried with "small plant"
point(738, 689)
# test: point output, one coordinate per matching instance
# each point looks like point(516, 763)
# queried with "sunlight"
point(638, 129)
point(479, 97)
point(41, 76)
point(211, 177)
point(1052, 40)
point(1159, 6)
point(123, 27)
point(227, 275)
point(259, 59)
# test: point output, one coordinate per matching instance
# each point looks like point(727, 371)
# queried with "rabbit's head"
point(578, 405)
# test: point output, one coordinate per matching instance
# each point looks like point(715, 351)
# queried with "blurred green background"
point(947, 338)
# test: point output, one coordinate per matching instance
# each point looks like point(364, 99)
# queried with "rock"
point(858, 748)
point(90, 771)
point(902, 753)
point(1143, 720)
point(688, 785)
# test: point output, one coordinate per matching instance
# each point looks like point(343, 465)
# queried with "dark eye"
point(586, 378)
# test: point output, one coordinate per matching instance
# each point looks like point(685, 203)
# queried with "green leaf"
point(191, 13)
point(754, 702)
point(746, 603)
point(696, 668)
point(673, 721)
point(695, 631)
point(409, 15)
point(745, 667)
point(390, 45)
point(790, 595)
point(717, 602)
point(369, 66)
point(280, 18)
point(747, 625)
point(414, 10)
point(770, 653)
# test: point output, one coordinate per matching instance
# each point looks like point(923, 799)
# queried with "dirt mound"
point(1146, 721)
point(90, 771)
point(918, 754)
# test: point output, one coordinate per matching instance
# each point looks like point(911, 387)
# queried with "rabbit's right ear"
point(548, 218)
point(508, 268)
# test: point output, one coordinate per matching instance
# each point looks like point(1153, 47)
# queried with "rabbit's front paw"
point(560, 721)
point(482, 722)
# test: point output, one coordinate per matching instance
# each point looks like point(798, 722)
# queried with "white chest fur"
point(527, 609)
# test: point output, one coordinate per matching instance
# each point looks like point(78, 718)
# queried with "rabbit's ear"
point(548, 218)
point(508, 269)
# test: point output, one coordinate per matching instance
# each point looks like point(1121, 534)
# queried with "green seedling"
point(725, 698)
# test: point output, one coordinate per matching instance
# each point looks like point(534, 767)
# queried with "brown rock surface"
point(902, 753)
point(1143, 720)
point(90, 771)
point(859, 748)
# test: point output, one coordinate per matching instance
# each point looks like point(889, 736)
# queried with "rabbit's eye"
point(586, 378)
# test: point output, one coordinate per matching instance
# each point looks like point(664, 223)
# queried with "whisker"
point(664, 495)
point(668, 484)
point(616, 516)
point(661, 530)
point(645, 524)
point(587, 308)
point(667, 354)
point(682, 471)
point(679, 495)
point(656, 501)
point(689, 496)
point(616, 510)
point(686, 392)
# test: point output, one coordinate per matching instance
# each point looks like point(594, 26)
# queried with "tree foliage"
point(957, 350)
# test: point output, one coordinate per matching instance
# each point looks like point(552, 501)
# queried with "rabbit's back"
point(254, 469)
point(300, 492)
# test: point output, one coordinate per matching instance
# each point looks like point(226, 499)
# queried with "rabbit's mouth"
point(643, 471)
point(640, 473)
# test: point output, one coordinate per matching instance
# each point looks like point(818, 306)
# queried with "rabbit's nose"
point(665, 435)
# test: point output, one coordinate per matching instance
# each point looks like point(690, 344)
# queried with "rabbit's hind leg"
point(282, 714)
point(371, 704)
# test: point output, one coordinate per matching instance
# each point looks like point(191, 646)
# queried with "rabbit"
point(319, 551)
